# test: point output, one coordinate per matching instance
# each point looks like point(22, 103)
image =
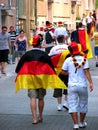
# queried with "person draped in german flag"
point(58, 54)
point(81, 36)
point(35, 72)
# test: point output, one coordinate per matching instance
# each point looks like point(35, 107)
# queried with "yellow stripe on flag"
point(88, 44)
point(38, 81)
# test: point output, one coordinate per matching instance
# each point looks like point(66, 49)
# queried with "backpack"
point(48, 37)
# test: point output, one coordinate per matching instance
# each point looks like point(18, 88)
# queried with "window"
point(57, 1)
point(65, 1)
point(86, 4)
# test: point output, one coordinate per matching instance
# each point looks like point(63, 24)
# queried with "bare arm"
point(87, 73)
point(63, 72)
point(26, 43)
point(15, 42)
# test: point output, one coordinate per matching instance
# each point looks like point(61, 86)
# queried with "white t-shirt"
point(58, 49)
point(60, 31)
point(78, 78)
point(89, 19)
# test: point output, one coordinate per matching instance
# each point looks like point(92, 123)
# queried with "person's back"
point(56, 50)
point(77, 68)
point(48, 38)
point(61, 30)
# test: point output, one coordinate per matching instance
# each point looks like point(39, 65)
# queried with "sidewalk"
point(15, 111)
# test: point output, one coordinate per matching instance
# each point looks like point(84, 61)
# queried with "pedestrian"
point(5, 44)
point(13, 36)
point(81, 36)
point(61, 30)
point(77, 67)
point(36, 73)
point(90, 24)
point(95, 38)
point(84, 20)
point(48, 37)
point(21, 44)
point(95, 16)
point(74, 35)
point(57, 49)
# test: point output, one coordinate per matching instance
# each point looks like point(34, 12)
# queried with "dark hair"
point(4, 27)
point(21, 31)
point(80, 24)
point(60, 38)
point(11, 26)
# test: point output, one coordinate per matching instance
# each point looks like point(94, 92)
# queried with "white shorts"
point(78, 99)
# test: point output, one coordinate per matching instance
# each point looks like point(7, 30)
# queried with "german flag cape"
point(59, 59)
point(85, 42)
point(35, 70)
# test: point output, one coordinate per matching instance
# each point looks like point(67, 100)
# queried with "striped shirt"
point(13, 36)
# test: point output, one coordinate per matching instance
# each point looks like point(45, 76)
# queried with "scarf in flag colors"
point(58, 60)
point(85, 42)
point(35, 70)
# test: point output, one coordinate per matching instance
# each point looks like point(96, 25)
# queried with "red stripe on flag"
point(36, 67)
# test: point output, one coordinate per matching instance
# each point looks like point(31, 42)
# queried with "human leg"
point(41, 94)
point(40, 108)
point(33, 109)
point(32, 93)
point(83, 106)
point(13, 53)
point(58, 94)
point(3, 67)
point(73, 105)
point(65, 104)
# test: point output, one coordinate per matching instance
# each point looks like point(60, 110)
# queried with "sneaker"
point(59, 107)
point(76, 127)
point(82, 125)
point(65, 105)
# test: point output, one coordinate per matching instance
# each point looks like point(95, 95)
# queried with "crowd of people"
point(53, 62)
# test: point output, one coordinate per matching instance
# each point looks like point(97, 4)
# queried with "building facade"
point(29, 14)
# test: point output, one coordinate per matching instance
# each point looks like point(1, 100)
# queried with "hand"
point(91, 87)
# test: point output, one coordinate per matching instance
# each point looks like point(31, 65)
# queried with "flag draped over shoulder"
point(59, 59)
point(85, 42)
point(35, 70)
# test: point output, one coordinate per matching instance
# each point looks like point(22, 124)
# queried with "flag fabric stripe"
point(35, 70)
point(90, 53)
point(85, 42)
point(59, 58)
point(36, 67)
point(38, 81)
point(82, 39)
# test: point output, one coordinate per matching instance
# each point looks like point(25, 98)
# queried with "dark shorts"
point(59, 92)
point(36, 93)
point(4, 55)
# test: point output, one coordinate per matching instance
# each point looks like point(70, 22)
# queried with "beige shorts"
point(36, 93)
